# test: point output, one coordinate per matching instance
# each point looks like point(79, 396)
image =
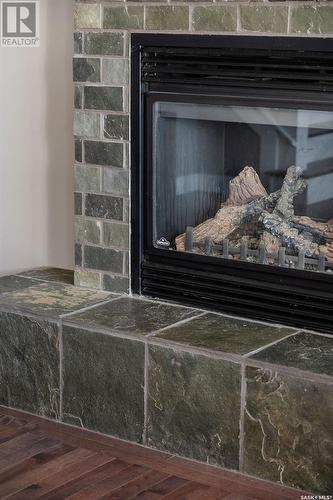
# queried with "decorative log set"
point(260, 227)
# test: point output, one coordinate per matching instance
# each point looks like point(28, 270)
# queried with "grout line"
point(291, 371)
point(198, 351)
point(41, 280)
point(238, 19)
point(320, 334)
point(104, 330)
point(145, 396)
point(190, 18)
point(255, 351)
point(242, 417)
point(216, 313)
point(174, 325)
point(289, 19)
point(88, 308)
point(101, 16)
point(165, 302)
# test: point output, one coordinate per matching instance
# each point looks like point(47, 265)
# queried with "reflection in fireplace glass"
point(247, 183)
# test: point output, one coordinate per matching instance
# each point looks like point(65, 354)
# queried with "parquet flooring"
point(48, 460)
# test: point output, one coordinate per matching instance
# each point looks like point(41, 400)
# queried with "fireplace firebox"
point(232, 174)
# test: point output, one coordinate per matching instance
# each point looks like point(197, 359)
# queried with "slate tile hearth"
point(131, 367)
point(221, 333)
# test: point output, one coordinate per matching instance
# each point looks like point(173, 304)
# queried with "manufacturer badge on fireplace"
point(20, 24)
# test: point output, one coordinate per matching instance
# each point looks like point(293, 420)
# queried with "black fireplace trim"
point(287, 296)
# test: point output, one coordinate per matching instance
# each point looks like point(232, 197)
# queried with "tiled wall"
point(102, 80)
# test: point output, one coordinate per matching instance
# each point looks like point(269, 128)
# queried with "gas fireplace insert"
point(232, 174)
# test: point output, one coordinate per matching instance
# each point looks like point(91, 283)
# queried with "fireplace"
point(232, 174)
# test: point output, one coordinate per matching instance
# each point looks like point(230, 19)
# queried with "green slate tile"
point(103, 259)
point(111, 44)
point(77, 97)
point(103, 383)
point(288, 430)
point(194, 406)
point(78, 150)
point(29, 364)
point(116, 235)
point(87, 178)
point(103, 206)
point(220, 333)
point(78, 43)
point(167, 17)
point(116, 181)
point(50, 300)
point(123, 17)
point(312, 19)
point(78, 254)
point(115, 71)
point(116, 127)
point(87, 230)
point(214, 18)
point(77, 203)
point(304, 350)
point(103, 98)
point(132, 316)
point(263, 18)
point(87, 16)
point(116, 284)
point(104, 153)
point(86, 124)
point(86, 70)
point(88, 279)
point(51, 274)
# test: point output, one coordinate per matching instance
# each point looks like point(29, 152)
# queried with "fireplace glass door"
point(240, 182)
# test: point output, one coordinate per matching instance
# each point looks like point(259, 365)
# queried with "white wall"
point(36, 146)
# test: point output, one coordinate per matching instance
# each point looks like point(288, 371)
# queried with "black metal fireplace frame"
point(299, 298)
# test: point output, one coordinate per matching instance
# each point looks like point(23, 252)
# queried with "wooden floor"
point(44, 459)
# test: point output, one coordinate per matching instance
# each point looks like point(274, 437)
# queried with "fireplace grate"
point(238, 67)
point(260, 255)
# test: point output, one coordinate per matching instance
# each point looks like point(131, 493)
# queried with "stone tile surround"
point(102, 107)
point(241, 394)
